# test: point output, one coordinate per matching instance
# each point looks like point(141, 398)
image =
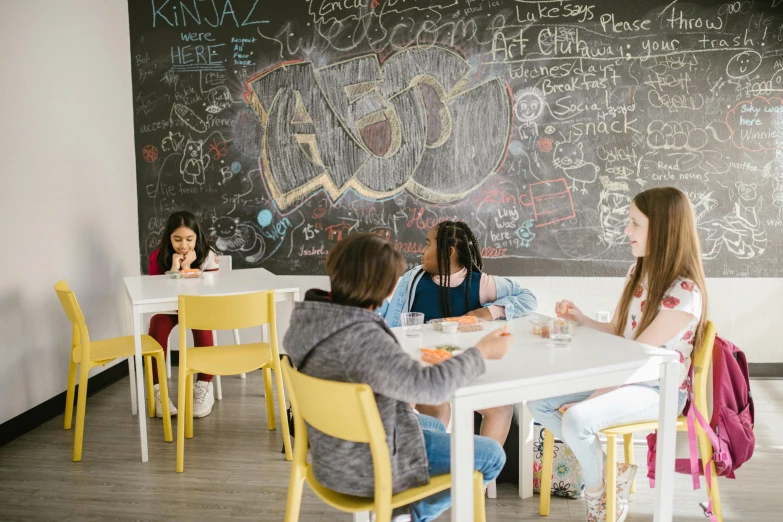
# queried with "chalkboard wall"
point(287, 125)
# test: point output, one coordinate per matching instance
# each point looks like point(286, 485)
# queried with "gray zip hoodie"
point(350, 344)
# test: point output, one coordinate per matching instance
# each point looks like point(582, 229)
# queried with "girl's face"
point(429, 256)
point(636, 230)
point(183, 240)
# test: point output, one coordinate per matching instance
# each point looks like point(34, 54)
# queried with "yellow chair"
point(88, 354)
point(230, 312)
point(348, 411)
point(701, 363)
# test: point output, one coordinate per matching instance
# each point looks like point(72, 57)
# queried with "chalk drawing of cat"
point(194, 162)
point(569, 157)
point(233, 236)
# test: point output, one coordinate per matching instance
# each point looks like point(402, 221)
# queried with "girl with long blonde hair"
point(664, 303)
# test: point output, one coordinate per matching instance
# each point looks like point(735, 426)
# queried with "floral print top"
point(683, 296)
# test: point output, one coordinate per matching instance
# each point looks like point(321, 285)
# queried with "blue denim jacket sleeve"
point(516, 300)
point(391, 309)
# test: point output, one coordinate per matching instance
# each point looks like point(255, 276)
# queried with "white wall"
point(67, 185)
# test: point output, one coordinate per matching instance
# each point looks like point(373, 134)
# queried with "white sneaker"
point(203, 398)
point(159, 406)
point(625, 476)
point(596, 508)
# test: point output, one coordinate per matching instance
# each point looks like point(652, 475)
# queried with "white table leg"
point(140, 384)
point(132, 379)
point(525, 452)
point(131, 369)
point(664, 463)
point(461, 462)
point(362, 516)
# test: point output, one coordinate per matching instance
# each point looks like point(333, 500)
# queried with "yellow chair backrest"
point(74, 314)
point(702, 359)
point(227, 312)
point(342, 410)
point(69, 303)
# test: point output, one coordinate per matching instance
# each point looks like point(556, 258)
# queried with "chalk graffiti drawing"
point(415, 123)
point(741, 231)
point(525, 233)
point(194, 162)
point(613, 212)
point(743, 64)
point(570, 158)
point(232, 236)
point(528, 107)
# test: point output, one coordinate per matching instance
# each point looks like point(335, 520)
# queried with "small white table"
point(149, 294)
point(532, 370)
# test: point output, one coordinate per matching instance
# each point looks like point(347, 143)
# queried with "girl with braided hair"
point(450, 283)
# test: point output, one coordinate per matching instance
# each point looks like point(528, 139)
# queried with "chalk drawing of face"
point(743, 64)
point(529, 106)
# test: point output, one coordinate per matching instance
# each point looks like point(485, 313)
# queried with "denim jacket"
point(516, 300)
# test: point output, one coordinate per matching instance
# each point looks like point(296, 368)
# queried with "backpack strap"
point(692, 442)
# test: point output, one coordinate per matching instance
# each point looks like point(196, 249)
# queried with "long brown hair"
point(673, 251)
point(363, 270)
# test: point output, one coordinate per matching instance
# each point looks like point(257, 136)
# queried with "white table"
point(532, 370)
point(149, 294)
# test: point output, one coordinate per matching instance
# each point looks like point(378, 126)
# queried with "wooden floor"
point(234, 470)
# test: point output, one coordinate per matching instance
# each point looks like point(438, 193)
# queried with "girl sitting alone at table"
point(664, 303)
point(183, 246)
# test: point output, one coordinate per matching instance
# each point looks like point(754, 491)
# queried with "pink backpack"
point(731, 428)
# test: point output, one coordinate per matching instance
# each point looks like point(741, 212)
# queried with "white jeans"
point(579, 425)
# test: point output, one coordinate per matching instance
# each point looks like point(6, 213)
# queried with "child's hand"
point(188, 259)
point(495, 344)
point(176, 262)
point(568, 310)
point(481, 313)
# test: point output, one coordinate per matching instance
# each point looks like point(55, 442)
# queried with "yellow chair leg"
point(383, 510)
point(611, 477)
point(628, 446)
point(705, 449)
point(715, 494)
point(160, 360)
point(150, 390)
point(281, 403)
point(69, 395)
point(547, 460)
point(295, 488)
point(189, 406)
point(479, 509)
point(181, 405)
point(270, 400)
point(81, 406)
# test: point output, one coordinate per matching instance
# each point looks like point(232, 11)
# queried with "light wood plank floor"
point(234, 470)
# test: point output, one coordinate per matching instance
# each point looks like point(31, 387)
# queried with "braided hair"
point(457, 235)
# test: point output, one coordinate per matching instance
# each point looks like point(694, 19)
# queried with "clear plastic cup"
point(412, 323)
point(559, 332)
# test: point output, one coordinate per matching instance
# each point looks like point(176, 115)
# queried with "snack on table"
point(435, 356)
point(468, 323)
point(448, 327)
point(190, 272)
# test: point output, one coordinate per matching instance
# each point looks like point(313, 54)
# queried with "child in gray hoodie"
point(337, 336)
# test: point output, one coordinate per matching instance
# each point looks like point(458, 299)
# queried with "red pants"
point(161, 326)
